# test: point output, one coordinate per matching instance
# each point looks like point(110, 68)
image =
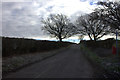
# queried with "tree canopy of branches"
point(92, 26)
point(111, 14)
point(58, 26)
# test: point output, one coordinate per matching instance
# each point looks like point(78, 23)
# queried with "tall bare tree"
point(111, 14)
point(92, 25)
point(58, 26)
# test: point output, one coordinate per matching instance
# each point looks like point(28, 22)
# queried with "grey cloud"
point(21, 26)
point(74, 16)
point(17, 8)
point(17, 20)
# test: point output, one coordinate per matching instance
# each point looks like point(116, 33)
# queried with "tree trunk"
point(60, 39)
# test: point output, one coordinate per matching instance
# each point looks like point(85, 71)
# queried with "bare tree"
point(111, 14)
point(92, 25)
point(58, 26)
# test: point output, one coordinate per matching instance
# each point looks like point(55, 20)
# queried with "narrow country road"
point(69, 63)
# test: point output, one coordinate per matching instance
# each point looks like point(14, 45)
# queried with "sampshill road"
point(69, 63)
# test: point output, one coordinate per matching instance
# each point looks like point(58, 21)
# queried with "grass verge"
point(106, 67)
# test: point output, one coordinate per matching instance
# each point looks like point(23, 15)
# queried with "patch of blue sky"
point(91, 2)
point(67, 40)
point(72, 40)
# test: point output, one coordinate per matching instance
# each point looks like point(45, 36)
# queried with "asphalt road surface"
point(69, 63)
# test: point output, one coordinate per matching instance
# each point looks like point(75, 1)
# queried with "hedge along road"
point(69, 63)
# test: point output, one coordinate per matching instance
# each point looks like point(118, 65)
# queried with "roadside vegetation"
point(19, 46)
point(101, 56)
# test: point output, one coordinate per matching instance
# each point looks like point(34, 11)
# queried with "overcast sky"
point(22, 18)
